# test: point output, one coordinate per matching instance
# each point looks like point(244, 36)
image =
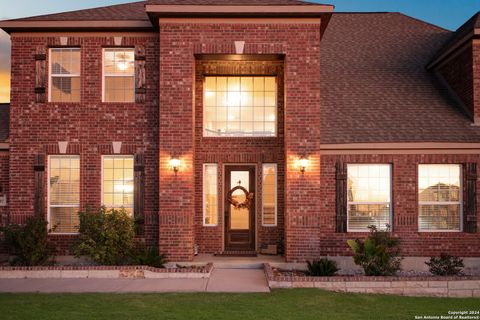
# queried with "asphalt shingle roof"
point(375, 87)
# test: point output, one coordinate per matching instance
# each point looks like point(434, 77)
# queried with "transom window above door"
point(242, 106)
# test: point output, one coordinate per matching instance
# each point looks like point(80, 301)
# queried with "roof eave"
point(10, 26)
point(195, 10)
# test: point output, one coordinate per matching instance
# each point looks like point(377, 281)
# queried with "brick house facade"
point(349, 90)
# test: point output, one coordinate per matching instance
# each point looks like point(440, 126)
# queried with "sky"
point(449, 14)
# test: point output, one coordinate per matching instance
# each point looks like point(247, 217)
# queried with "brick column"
point(302, 139)
point(176, 190)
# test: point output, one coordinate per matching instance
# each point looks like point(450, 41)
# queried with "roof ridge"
point(422, 21)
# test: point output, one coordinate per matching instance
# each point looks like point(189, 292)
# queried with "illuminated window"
point(118, 75)
point(63, 193)
point(269, 217)
point(210, 195)
point(64, 75)
point(368, 196)
point(440, 197)
point(118, 182)
point(240, 106)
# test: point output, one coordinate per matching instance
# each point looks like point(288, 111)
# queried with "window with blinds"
point(440, 197)
point(368, 196)
point(64, 75)
point(119, 75)
point(63, 193)
point(117, 183)
point(210, 195)
point(269, 194)
point(240, 106)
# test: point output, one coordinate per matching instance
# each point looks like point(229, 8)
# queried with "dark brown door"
point(239, 207)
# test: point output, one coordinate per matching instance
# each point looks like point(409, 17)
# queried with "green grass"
point(280, 304)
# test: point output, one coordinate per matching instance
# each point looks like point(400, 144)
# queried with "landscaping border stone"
point(432, 286)
point(104, 272)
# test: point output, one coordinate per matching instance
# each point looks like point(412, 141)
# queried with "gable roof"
point(464, 33)
point(4, 121)
point(234, 2)
point(375, 88)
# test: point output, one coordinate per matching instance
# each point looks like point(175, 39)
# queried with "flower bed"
point(457, 286)
point(133, 272)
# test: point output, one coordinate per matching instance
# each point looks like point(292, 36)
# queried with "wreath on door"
point(240, 205)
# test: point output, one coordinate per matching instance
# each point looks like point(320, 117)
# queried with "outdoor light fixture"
point(303, 164)
point(175, 164)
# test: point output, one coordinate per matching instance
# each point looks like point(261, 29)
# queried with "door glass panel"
point(239, 217)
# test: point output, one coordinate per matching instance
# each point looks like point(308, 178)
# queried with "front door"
point(239, 207)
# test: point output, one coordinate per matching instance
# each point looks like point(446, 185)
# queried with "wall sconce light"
point(175, 164)
point(303, 164)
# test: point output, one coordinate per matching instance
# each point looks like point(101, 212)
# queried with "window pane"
point(210, 197)
point(118, 182)
point(368, 195)
point(119, 75)
point(439, 194)
point(242, 106)
point(64, 193)
point(65, 61)
point(269, 194)
point(119, 89)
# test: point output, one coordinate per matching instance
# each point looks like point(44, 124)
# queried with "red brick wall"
point(405, 209)
point(4, 185)
point(179, 41)
point(90, 126)
point(458, 72)
point(476, 80)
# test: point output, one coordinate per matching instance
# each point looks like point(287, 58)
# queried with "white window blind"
point(368, 196)
point(119, 75)
point(440, 197)
point(64, 73)
point(240, 106)
point(210, 195)
point(118, 182)
point(269, 193)
point(63, 193)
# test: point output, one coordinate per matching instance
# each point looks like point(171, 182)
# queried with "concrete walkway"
point(221, 280)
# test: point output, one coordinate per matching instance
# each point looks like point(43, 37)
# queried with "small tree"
point(379, 254)
point(28, 243)
point(106, 236)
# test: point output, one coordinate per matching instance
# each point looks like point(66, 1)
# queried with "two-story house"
point(225, 126)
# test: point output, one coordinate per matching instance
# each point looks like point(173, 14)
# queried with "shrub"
point(148, 256)
point(445, 265)
point(379, 254)
point(106, 236)
point(28, 243)
point(322, 268)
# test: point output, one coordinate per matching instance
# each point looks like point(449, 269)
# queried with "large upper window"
point(368, 196)
point(210, 195)
point(118, 182)
point(64, 75)
point(439, 195)
point(240, 107)
point(63, 193)
point(119, 75)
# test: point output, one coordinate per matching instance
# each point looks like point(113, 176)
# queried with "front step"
point(237, 253)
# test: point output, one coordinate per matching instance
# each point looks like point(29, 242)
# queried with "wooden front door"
point(239, 207)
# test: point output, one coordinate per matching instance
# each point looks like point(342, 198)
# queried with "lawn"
point(280, 304)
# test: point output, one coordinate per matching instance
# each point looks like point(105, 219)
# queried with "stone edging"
point(463, 286)
point(134, 272)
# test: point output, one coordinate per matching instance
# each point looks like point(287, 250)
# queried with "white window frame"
point(48, 193)
point(113, 157)
point(460, 197)
point(276, 193)
point(235, 135)
point(390, 211)
point(71, 75)
point(203, 195)
point(104, 74)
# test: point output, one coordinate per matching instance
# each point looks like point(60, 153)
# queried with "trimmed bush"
point(445, 265)
point(28, 243)
point(322, 268)
point(106, 236)
point(148, 256)
point(379, 254)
